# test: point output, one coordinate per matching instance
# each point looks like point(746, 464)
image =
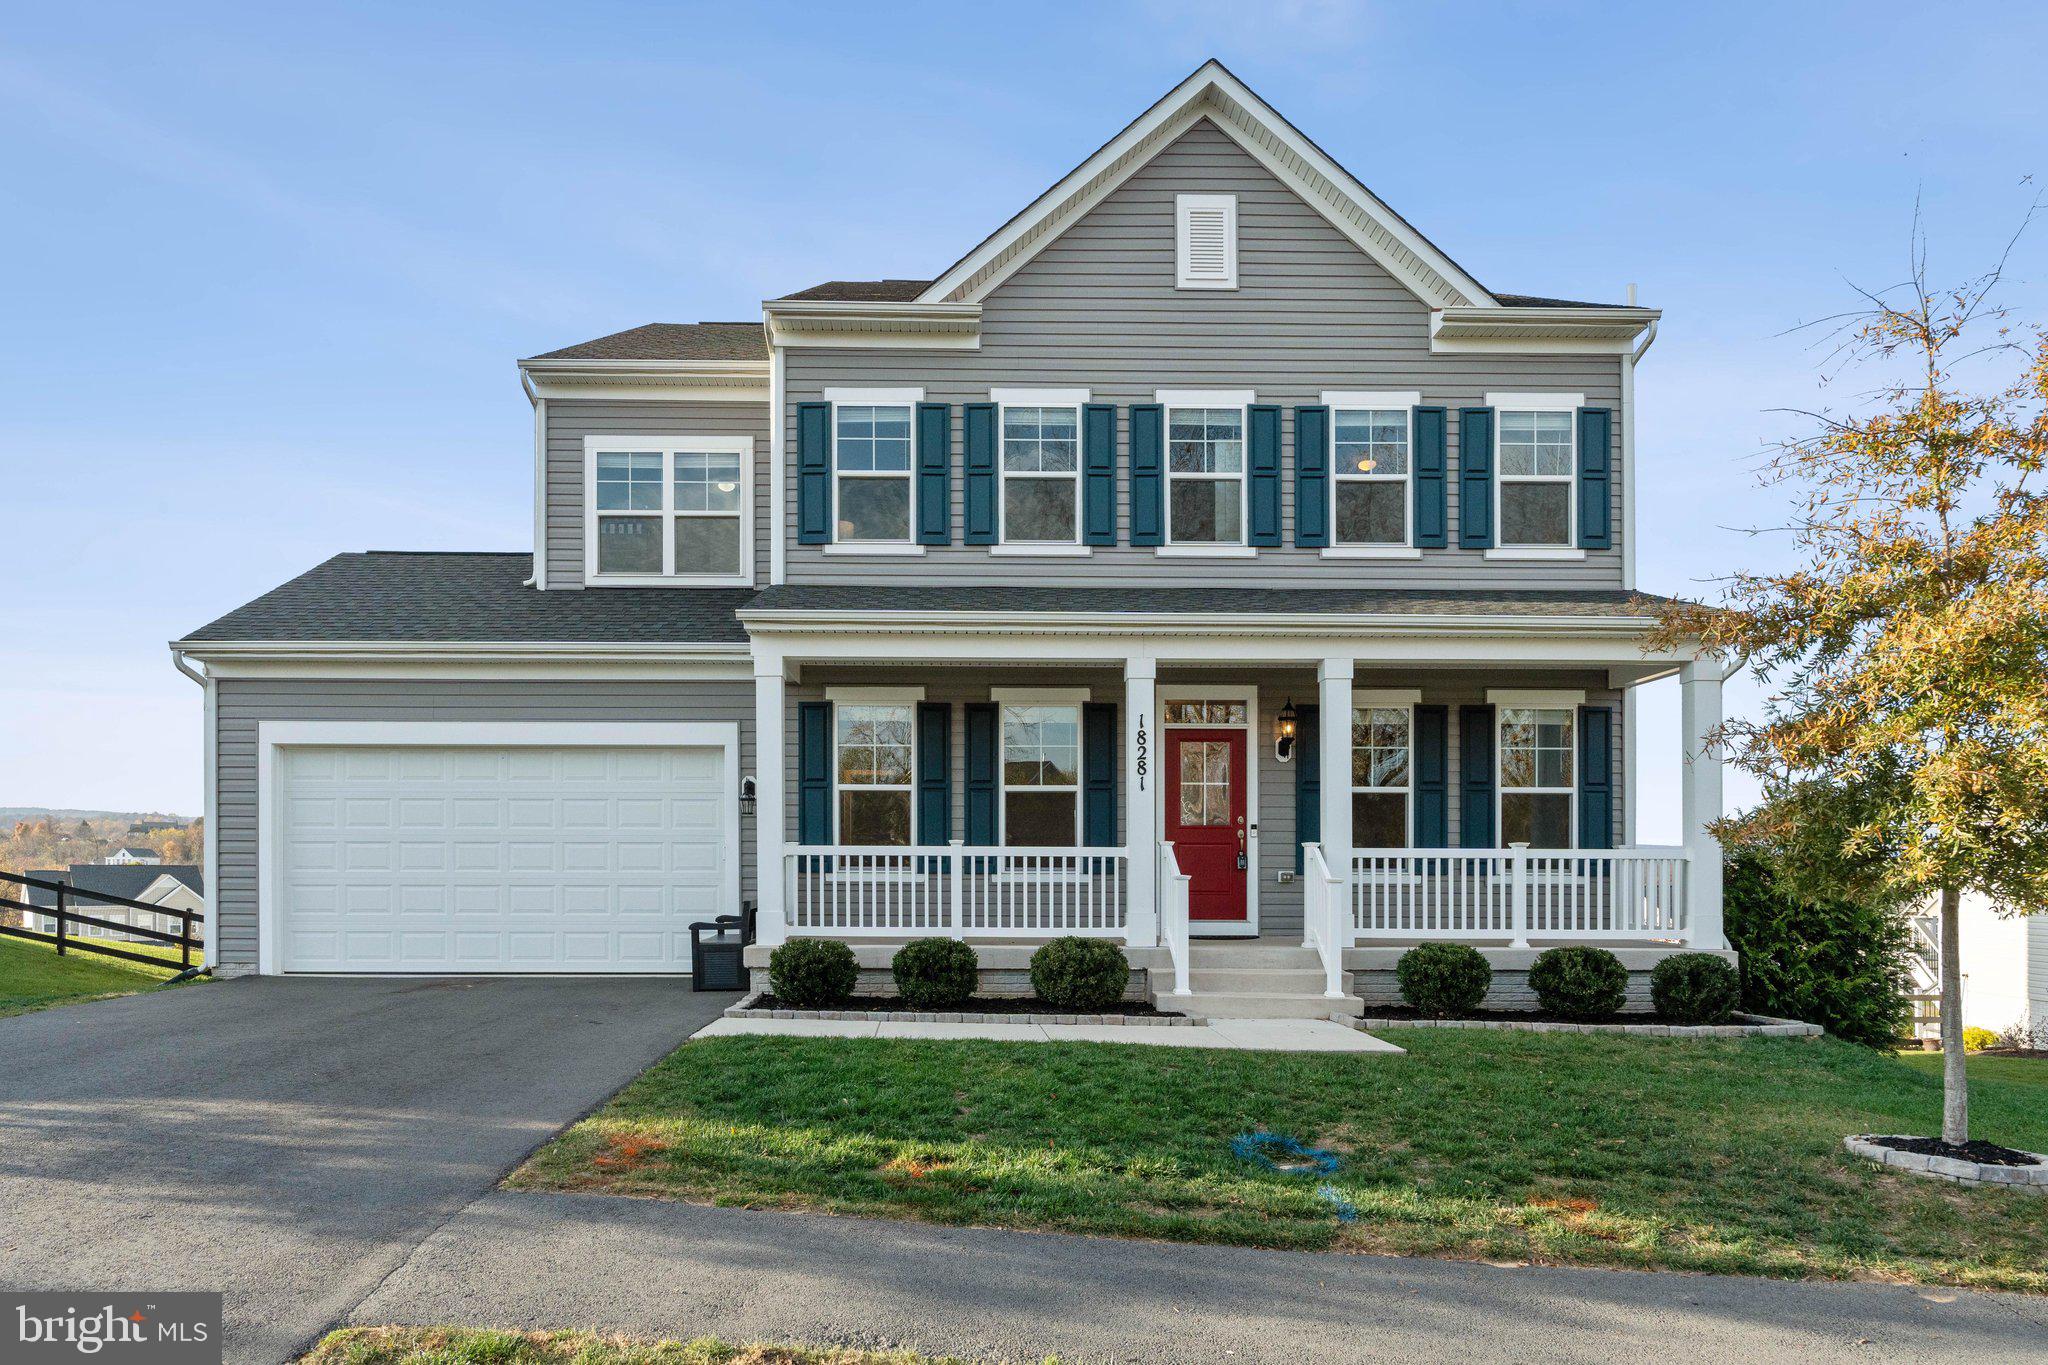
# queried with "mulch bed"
point(2038, 1054)
point(1984, 1153)
point(1404, 1012)
point(981, 1004)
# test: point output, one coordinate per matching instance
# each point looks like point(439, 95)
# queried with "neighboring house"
point(1009, 585)
point(133, 855)
point(153, 826)
point(2005, 970)
point(173, 886)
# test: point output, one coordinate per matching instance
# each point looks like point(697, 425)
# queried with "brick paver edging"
point(745, 1010)
point(1752, 1026)
point(2032, 1179)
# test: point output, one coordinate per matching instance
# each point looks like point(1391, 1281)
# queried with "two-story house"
point(1205, 561)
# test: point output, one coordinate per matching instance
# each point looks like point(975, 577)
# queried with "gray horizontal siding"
point(244, 703)
point(1097, 309)
point(571, 420)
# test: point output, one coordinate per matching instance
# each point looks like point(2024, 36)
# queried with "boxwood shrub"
point(812, 973)
point(1080, 974)
point(1443, 979)
point(1695, 988)
point(935, 973)
point(1579, 983)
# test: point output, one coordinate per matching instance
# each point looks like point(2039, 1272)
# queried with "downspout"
point(540, 483)
point(209, 857)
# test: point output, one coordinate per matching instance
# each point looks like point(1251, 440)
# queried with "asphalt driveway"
point(290, 1141)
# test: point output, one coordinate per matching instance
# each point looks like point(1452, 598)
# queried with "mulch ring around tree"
point(1983, 1153)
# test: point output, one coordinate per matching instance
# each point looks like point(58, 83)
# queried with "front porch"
point(1188, 778)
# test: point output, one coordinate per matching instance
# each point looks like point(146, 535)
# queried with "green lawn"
point(462, 1345)
point(32, 976)
point(1717, 1155)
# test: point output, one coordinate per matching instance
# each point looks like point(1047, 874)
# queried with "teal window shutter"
point(934, 773)
point(1148, 479)
point(1596, 777)
point(1432, 517)
point(980, 422)
point(1098, 775)
point(813, 473)
point(1308, 784)
point(1475, 776)
point(1312, 477)
point(1432, 777)
point(983, 741)
point(934, 474)
point(814, 772)
point(1262, 513)
point(1475, 479)
point(1098, 478)
point(1596, 508)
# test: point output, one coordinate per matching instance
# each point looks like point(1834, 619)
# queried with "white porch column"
point(1700, 685)
point(771, 811)
point(1333, 721)
point(1141, 799)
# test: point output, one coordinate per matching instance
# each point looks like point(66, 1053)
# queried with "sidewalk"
point(1267, 1035)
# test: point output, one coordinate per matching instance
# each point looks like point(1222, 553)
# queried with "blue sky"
point(268, 267)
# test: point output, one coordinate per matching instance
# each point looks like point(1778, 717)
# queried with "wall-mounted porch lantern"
point(746, 796)
point(1283, 734)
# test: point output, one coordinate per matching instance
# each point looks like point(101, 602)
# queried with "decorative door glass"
point(1205, 782)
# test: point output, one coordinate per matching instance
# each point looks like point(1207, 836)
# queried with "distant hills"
point(10, 814)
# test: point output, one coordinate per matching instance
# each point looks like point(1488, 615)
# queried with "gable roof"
point(1215, 93)
point(137, 850)
point(859, 291)
point(671, 341)
point(128, 881)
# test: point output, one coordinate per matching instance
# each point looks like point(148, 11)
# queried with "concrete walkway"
point(1257, 1035)
point(656, 1268)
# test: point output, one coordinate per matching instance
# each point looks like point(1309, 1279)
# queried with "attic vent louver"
point(1205, 241)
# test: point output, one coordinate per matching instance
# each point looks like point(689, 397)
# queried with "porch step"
point(1260, 954)
point(1257, 980)
point(1258, 1005)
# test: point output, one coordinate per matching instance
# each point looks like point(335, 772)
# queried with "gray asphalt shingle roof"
point(672, 341)
point(1594, 602)
point(859, 291)
point(402, 596)
point(113, 879)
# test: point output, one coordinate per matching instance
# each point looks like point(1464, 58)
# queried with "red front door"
point(1205, 815)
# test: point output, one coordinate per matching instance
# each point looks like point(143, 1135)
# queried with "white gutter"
point(540, 483)
point(456, 650)
point(209, 858)
point(1146, 623)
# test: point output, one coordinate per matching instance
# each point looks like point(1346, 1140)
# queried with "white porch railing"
point(1519, 893)
point(955, 892)
point(1172, 890)
point(1325, 924)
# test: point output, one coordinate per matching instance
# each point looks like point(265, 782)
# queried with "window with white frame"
point(668, 508)
point(1536, 782)
point(1369, 476)
point(1041, 501)
point(871, 468)
point(1535, 476)
point(1041, 775)
point(1205, 475)
point(874, 749)
point(1380, 775)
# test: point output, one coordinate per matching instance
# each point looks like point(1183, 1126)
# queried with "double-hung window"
point(667, 509)
point(1534, 467)
point(1205, 468)
point(871, 464)
point(1041, 774)
point(1370, 468)
point(873, 749)
point(1381, 771)
point(1536, 791)
point(1041, 465)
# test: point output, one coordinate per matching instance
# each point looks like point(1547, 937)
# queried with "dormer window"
point(1205, 241)
point(667, 510)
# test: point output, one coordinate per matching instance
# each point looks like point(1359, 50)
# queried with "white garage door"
point(499, 859)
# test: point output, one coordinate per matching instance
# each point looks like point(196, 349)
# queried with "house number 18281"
point(1142, 741)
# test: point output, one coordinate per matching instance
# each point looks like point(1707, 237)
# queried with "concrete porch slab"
point(1254, 1035)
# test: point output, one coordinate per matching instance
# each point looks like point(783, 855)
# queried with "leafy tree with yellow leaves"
point(1904, 749)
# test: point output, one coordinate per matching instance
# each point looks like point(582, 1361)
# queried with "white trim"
point(1040, 696)
point(1535, 696)
point(874, 549)
point(1537, 402)
point(1372, 551)
point(1185, 206)
point(1201, 550)
point(1031, 549)
point(210, 809)
point(874, 696)
point(540, 483)
point(778, 533)
point(489, 669)
point(1385, 696)
point(273, 735)
point(1372, 398)
point(668, 447)
point(1535, 553)
point(1038, 398)
point(865, 396)
point(1205, 398)
point(1169, 692)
